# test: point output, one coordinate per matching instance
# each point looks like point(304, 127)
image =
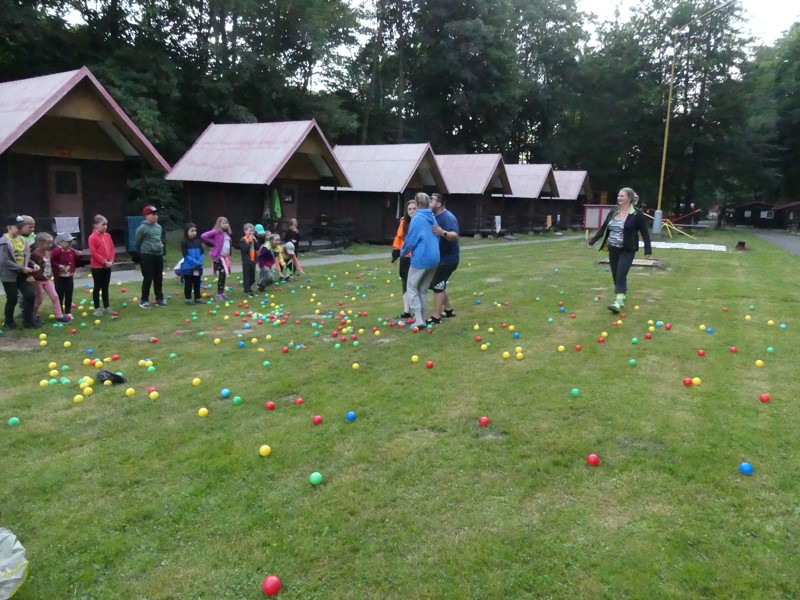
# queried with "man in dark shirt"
point(446, 229)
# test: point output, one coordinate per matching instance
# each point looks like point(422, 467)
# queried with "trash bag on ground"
point(104, 376)
point(13, 564)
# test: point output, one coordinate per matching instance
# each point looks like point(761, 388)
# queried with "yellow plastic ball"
point(520, 355)
point(415, 359)
point(83, 384)
point(511, 328)
point(77, 398)
point(99, 364)
point(604, 334)
point(42, 336)
point(141, 362)
point(43, 343)
point(217, 341)
point(702, 327)
point(476, 327)
point(52, 365)
point(67, 344)
point(561, 349)
point(770, 322)
point(43, 383)
point(696, 381)
point(391, 295)
point(518, 349)
point(636, 307)
point(130, 392)
point(97, 321)
point(484, 347)
point(356, 366)
point(148, 363)
point(265, 451)
point(759, 363)
point(153, 395)
point(203, 412)
point(651, 329)
point(87, 391)
point(226, 318)
point(253, 340)
point(86, 362)
point(108, 383)
point(506, 355)
point(378, 333)
point(268, 338)
point(747, 317)
point(53, 373)
point(196, 382)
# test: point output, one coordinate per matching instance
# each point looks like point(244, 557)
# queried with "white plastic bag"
point(13, 564)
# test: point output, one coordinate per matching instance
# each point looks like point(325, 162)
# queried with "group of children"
point(35, 264)
point(261, 251)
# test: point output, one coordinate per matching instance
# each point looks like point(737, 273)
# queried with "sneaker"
point(10, 326)
point(219, 297)
point(404, 315)
point(187, 301)
point(144, 304)
point(199, 301)
point(161, 303)
point(63, 320)
point(614, 307)
point(449, 314)
point(98, 312)
point(433, 320)
point(34, 324)
point(109, 310)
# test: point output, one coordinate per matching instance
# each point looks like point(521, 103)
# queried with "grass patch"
point(121, 497)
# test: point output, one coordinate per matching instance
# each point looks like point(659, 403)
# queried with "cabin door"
point(65, 190)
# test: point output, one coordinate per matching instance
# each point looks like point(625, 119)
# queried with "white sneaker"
point(98, 312)
point(109, 311)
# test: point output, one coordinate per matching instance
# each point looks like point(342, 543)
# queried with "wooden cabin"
point(476, 183)
point(383, 178)
point(67, 152)
point(754, 214)
point(574, 192)
point(787, 216)
point(263, 173)
point(533, 188)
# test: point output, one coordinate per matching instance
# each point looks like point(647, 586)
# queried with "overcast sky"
point(766, 19)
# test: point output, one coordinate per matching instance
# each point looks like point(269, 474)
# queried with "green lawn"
point(127, 497)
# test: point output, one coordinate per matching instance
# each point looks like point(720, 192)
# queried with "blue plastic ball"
point(240, 344)
point(709, 331)
point(562, 309)
point(90, 351)
point(516, 335)
point(746, 468)
point(350, 416)
point(477, 301)
point(225, 393)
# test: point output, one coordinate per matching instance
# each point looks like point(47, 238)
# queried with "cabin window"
point(767, 214)
point(747, 214)
point(66, 182)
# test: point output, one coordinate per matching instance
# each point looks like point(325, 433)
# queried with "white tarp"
point(13, 564)
point(685, 246)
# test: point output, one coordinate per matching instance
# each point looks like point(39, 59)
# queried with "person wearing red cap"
point(150, 244)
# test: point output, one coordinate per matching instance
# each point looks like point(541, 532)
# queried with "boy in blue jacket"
point(192, 268)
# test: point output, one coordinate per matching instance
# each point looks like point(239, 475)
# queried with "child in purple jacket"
point(219, 239)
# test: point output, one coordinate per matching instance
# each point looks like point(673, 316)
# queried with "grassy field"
point(128, 497)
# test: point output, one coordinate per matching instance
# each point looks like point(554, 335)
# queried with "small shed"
point(754, 214)
point(787, 216)
point(258, 172)
point(472, 179)
point(383, 177)
point(67, 151)
point(574, 191)
point(533, 188)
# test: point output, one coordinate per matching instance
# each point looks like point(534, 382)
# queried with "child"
point(101, 251)
point(40, 254)
point(280, 258)
point(293, 236)
point(219, 239)
point(150, 244)
point(192, 267)
point(63, 260)
point(248, 247)
point(16, 272)
point(265, 260)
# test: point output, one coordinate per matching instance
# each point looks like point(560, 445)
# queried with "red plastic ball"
point(687, 381)
point(285, 350)
point(601, 340)
point(271, 585)
point(578, 348)
point(298, 401)
point(317, 420)
point(668, 326)
point(593, 460)
point(429, 364)
point(734, 349)
point(764, 398)
point(484, 421)
point(701, 353)
point(270, 405)
point(478, 339)
point(648, 336)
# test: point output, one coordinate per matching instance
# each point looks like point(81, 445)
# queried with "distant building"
point(533, 188)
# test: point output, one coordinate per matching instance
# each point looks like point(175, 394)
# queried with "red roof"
point(571, 184)
point(787, 205)
point(24, 102)
point(474, 173)
point(255, 153)
point(389, 167)
point(529, 181)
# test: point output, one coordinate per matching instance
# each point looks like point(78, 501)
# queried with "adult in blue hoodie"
point(424, 249)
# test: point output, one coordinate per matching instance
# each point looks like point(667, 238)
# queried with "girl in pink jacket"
point(219, 239)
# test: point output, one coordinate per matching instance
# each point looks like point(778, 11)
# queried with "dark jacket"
point(192, 250)
point(635, 223)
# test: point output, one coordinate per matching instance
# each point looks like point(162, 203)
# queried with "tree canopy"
point(533, 79)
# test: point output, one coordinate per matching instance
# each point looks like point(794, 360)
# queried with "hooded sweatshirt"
point(420, 241)
point(192, 250)
point(10, 269)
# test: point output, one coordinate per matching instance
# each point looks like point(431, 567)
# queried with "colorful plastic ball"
point(153, 395)
point(632, 362)
point(270, 405)
point(415, 359)
point(634, 341)
point(506, 355)
point(648, 336)
point(13, 421)
point(265, 451)
point(516, 335)
point(356, 366)
point(519, 356)
point(668, 326)
point(237, 400)
point(484, 347)
point(315, 478)
point(702, 327)
point(350, 416)
point(240, 344)
point(701, 353)
point(196, 382)
point(317, 420)
point(709, 331)
point(298, 401)
point(593, 460)
point(746, 468)
point(696, 381)
point(271, 585)
point(77, 398)
point(687, 381)
point(173, 356)
point(225, 393)
point(217, 341)
point(759, 363)
point(484, 421)
point(429, 364)
point(203, 412)
point(130, 392)
point(575, 392)
point(764, 398)
point(734, 350)
point(783, 325)
point(770, 322)
point(578, 348)
point(747, 317)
